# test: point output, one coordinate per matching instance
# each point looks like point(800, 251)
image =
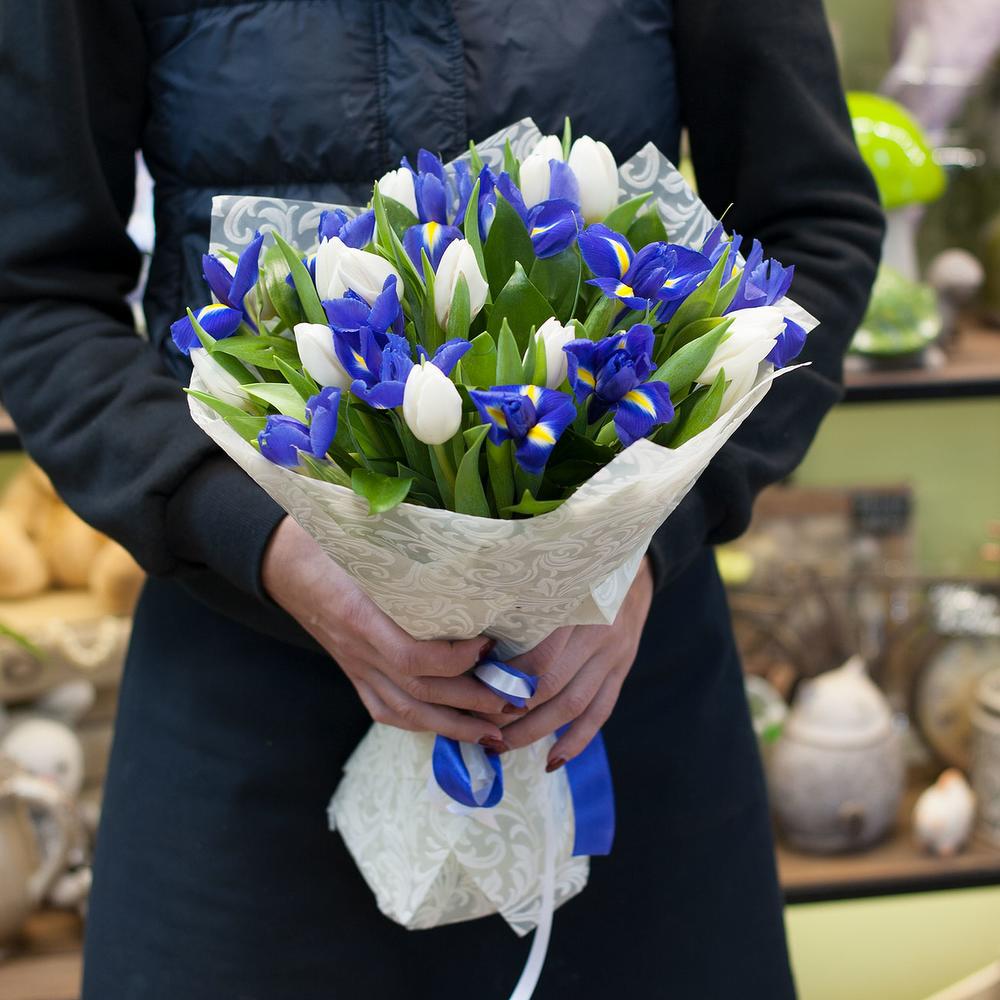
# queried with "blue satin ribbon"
point(589, 773)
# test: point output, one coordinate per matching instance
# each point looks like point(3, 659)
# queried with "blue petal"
point(553, 226)
point(219, 321)
point(322, 413)
point(563, 184)
point(492, 411)
point(615, 288)
point(347, 314)
point(639, 342)
point(358, 232)
point(432, 199)
point(428, 163)
point(580, 367)
point(247, 271)
point(450, 353)
point(788, 345)
point(282, 439)
point(512, 194)
point(219, 280)
point(385, 310)
point(183, 335)
point(397, 359)
point(617, 377)
point(431, 237)
point(607, 253)
point(534, 449)
point(331, 222)
point(359, 353)
point(642, 409)
point(463, 184)
point(382, 396)
point(548, 401)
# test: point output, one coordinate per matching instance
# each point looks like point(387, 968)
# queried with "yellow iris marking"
point(538, 230)
point(532, 392)
point(360, 360)
point(736, 272)
point(432, 230)
point(624, 291)
point(540, 434)
point(214, 307)
point(671, 282)
point(497, 416)
point(622, 254)
point(586, 377)
point(642, 401)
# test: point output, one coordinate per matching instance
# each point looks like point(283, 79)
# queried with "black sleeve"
point(92, 401)
point(770, 135)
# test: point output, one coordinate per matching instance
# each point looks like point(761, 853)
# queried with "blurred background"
point(866, 594)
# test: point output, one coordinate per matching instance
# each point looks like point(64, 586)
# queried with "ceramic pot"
point(836, 774)
point(986, 756)
point(24, 877)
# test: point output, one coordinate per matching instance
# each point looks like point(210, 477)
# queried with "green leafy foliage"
point(521, 305)
point(381, 491)
point(304, 287)
point(507, 244)
point(479, 366)
point(280, 396)
point(528, 505)
point(620, 218)
point(647, 228)
point(508, 357)
point(702, 413)
point(299, 380)
point(686, 364)
point(470, 497)
point(247, 425)
point(557, 278)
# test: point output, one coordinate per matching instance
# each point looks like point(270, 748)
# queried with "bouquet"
point(482, 394)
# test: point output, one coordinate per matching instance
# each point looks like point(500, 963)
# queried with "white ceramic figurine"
point(942, 817)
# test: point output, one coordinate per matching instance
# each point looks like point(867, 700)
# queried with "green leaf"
point(416, 451)
point(699, 304)
point(474, 158)
point(521, 305)
point(508, 243)
point(529, 505)
point(569, 475)
point(399, 217)
point(326, 472)
point(479, 366)
point(445, 482)
point(470, 498)
point(459, 316)
point(567, 137)
point(511, 163)
point(274, 272)
point(607, 435)
point(263, 351)
point(280, 396)
point(703, 412)
point(647, 228)
point(498, 465)
point(423, 485)
point(726, 295)
point(601, 316)
point(470, 227)
point(304, 286)
point(393, 247)
point(622, 217)
point(686, 364)
point(300, 381)
point(433, 335)
point(529, 358)
point(382, 492)
point(247, 425)
point(508, 357)
point(574, 446)
point(558, 280)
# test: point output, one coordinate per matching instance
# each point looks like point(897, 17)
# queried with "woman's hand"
point(403, 682)
point(580, 673)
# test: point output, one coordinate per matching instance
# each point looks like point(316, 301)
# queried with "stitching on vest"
point(381, 77)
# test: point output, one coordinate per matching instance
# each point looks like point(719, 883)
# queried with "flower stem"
point(442, 452)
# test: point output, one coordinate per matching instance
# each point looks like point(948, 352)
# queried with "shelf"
point(971, 368)
point(893, 867)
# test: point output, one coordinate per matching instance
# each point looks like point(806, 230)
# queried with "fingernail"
point(510, 709)
point(554, 764)
point(491, 743)
point(486, 648)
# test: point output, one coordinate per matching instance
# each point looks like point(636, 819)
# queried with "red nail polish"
point(486, 648)
point(493, 744)
point(554, 764)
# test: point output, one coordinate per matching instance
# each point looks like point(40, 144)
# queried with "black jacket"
point(315, 98)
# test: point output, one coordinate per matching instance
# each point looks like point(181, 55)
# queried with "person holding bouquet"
point(256, 664)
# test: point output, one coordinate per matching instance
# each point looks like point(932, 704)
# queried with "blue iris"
point(762, 282)
point(663, 273)
point(553, 224)
point(351, 315)
point(222, 319)
point(612, 373)
point(283, 438)
point(431, 237)
point(532, 417)
point(356, 232)
point(380, 366)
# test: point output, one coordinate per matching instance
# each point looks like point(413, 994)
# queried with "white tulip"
point(315, 344)
point(340, 268)
point(597, 174)
point(398, 185)
point(748, 342)
point(432, 407)
point(217, 381)
point(535, 172)
point(554, 337)
point(459, 260)
point(549, 147)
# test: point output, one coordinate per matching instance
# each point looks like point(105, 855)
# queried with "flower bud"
point(340, 268)
point(432, 407)
point(217, 381)
point(535, 174)
point(315, 344)
point(597, 174)
point(554, 336)
point(459, 260)
point(398, 185)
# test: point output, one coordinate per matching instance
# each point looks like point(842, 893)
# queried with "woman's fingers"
point(397, 708)
point(566, 706)
point(577, 738)
point(465, 693)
